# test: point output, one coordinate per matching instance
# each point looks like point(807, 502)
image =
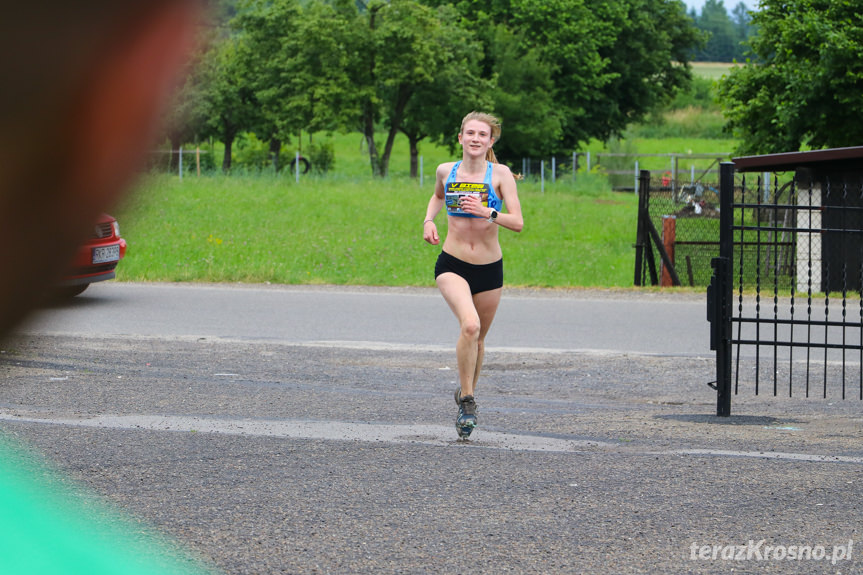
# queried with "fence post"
point(588, 161)
point(574, 165)
point(181, 163)
point(640, 239)
point(542, 176)
point(198, 160)
point(675, 165)
point(553, 169)
point(722, 290)
point(297, 166)
point(669, 238)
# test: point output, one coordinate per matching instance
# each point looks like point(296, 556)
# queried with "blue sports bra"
point(453, 191)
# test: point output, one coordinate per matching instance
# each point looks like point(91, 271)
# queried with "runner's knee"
point(470, 328)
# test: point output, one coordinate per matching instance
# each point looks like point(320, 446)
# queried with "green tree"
point(801, 88)
point(184, 121)
point(572, 70)
point(722, 38)
point(266, 29)
point(437, 108)
point(524, 98)
point(407, 50)
point(741, 22)
point(228, 102)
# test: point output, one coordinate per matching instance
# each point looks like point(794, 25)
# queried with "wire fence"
point(678, 231)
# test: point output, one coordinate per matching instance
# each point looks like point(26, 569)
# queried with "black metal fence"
point(784, 301)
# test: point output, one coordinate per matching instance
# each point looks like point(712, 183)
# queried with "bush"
point(322, 156)
point(251, 154)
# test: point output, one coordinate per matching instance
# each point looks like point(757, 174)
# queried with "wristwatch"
point(493, 216)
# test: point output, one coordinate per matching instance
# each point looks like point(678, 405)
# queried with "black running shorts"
point(480, 278)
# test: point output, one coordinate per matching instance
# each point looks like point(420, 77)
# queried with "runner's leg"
point(486, 304)
point(456, 292)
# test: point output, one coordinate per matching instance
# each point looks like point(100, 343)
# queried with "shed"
point(827, 199)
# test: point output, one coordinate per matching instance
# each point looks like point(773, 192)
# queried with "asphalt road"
point(615, 321)
point(309, 430)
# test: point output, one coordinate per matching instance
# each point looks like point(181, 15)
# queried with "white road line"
point(323, 430)
point(438, 435)
point(360, 345)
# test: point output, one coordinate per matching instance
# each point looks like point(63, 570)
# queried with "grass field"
point(711, 70)
point(347, 231)
point(347, 228)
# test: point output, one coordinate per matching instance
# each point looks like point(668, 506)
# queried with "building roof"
point(792, 160)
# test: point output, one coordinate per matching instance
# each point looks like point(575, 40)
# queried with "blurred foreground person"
point(82, 85)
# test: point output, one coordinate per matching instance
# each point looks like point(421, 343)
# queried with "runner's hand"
point(473, 205)
point(430, 233)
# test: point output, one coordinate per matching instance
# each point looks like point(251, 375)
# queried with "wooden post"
point(198, 159)
point(669, 233)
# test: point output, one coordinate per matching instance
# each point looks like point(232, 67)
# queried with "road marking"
point(322, 430)
point(363, 345)
point(437, 435)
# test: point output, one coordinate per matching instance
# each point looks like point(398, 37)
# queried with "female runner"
point(469, 270)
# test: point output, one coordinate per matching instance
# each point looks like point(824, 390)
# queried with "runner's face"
point(476, 138)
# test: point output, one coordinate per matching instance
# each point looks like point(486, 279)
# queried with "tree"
point(722, 38)
point(802, 84)
point(572, 70)
point(407, 49)
point(524, 98)
point(228, 103)
point(437, 108)
point(184, 120)
point(266, 28)
point(741, 22)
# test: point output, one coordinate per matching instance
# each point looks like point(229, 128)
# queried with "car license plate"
point(106, 254)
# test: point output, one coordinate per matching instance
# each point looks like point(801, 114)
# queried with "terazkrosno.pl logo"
point(760, 551)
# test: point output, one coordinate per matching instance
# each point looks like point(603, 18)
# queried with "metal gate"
point(784, 302)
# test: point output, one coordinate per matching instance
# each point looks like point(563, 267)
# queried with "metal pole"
point(181, 163)
point(636, 176)
point(724, 285)
point(553, 169)
point(574, 164)
point(542, 176)
point(297, 166)
point(640, 240)
point(588, 161)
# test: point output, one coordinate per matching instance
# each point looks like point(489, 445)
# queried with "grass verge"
point(356, 231)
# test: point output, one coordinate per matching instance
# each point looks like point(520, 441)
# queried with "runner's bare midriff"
point(472, 240)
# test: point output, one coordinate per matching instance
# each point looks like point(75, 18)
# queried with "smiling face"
point(476, 138)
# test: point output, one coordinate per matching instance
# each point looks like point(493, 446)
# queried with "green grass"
point(711, 70)
point(346, 228)
point(358, 231)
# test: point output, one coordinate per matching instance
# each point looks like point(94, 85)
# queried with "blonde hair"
point(492, 122)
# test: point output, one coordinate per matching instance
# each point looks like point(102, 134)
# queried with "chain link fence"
point(678, 230)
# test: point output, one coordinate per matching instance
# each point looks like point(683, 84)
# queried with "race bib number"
point(457, 190)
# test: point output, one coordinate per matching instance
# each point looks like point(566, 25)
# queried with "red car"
point(96, 259)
